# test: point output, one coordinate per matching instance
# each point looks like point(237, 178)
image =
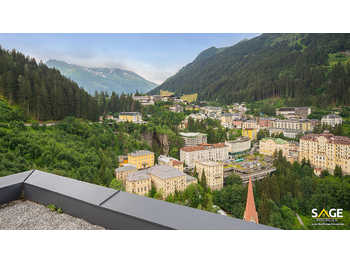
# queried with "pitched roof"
point(250, 213)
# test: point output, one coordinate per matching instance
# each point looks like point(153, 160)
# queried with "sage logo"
point(331, 213)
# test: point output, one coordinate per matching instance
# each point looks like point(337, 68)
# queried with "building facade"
point(135, 117)
point(167, 160)
point(138, 183)
point(268, 146)
point(167, 179)
point(325, 151)
point(193, 138)
point(122, 173)
point(331, 120)
point(251, 133)
point(206, 152)
point(213, 172)
point(141, 159)
point(241, 144)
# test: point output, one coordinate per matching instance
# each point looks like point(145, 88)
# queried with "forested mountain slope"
point(306, 68)
point(103, 79)
point(43, 93)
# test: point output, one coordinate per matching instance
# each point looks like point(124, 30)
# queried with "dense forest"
point(44, 94)
point(309, 69)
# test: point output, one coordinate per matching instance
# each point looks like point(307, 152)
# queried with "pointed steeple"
point(250, 213)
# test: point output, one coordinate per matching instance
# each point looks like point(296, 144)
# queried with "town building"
point(176, 108)
point(268, 146)
point(325, 151)
point(135, 117)
point(238, 146)
point(141, 159)
point(294, 112)
point(166, 160)
point(266, 122)
point(227, 119)
point(213, 172)
point(190, 180)
point(167, 179)
point(250, 124)
point(237, 124)
point(331, 120)
point(193, 138)
point(250, 213)
point(122, 172)
point(250, 132)
point(138, 182)
point(205, 152)
point(144, 100)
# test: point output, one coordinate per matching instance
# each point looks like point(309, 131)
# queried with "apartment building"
point(167, 179)
point(138, 182)
point(141, 159)
point(176, 108)
point(268, 146)
point(193, 138)
point(227, 119)
point(239, 145)
point(250, 124)
point(266, 122)
point(135, 117)
point(213, 172)
point(205, 152)
point(170, 161)
point(250, 132)
point(325, 151)
point(122, 173)
point(331, 120)
point(294, 112)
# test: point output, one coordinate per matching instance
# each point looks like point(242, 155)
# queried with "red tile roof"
point(329, 136)
point(250, 213)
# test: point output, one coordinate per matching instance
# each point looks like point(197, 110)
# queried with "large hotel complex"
point(325, 151)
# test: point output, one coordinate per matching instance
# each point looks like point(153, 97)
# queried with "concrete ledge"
point(113, 209)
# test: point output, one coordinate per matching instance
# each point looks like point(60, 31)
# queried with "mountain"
point(43, 93)
point(306, 69)
point(103, 79)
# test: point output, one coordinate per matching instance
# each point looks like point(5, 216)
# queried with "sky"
point(153, 56)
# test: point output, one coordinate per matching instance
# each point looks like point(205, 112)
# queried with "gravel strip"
point(27, 215)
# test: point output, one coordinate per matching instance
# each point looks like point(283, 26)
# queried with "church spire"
point(250, 213)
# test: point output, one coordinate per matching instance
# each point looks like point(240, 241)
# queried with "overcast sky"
point(153, 56)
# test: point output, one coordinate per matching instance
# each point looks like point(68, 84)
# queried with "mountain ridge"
point(105, 79)
point(301, 67)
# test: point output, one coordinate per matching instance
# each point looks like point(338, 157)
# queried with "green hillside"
point(103, 79)
point(309, 69)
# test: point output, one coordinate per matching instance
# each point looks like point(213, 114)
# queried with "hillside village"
point(250, 154)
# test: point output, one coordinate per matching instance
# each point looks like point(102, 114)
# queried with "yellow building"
point(130, 117)
point(213, 172)
point(325, 151)
point(123, 172)
point(268, 146)
point(165, 93)
point(167, 179)
point(141, 159)
point(138, 183)
point(189, 97)
point(251, 133)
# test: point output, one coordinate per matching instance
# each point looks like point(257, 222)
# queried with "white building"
point(193, 138)
point(206, 152)
point(241, 144)
point(332, 120)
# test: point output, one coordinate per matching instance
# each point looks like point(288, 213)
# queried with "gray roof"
point(125, 168)
point(140, 153)
point(165, 171)
point(139, 175)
